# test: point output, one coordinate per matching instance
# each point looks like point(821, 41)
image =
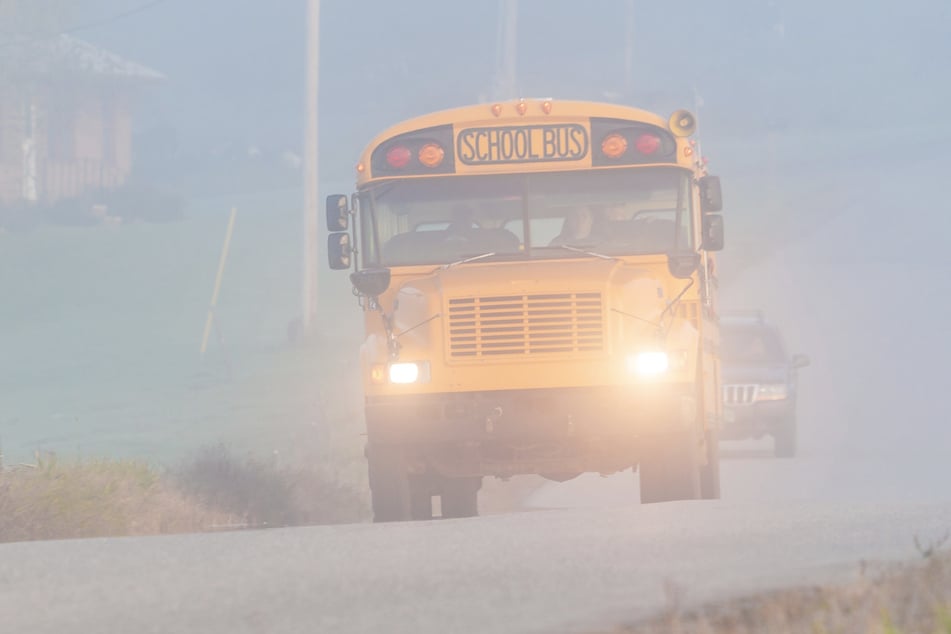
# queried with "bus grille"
point(510, 325)
point(739, 394)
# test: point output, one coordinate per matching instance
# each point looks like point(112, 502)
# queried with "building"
point(66, 113)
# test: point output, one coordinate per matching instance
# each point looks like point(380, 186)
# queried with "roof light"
point(647, 143)
point(497, 109)
point(614, 146)
point(398, 156)
point(521, 107)
point(431, 155)
point(546, 106)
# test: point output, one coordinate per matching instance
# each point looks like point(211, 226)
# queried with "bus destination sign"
point(522, 144)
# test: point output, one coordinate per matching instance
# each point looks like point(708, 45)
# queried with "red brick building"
point(66, 112)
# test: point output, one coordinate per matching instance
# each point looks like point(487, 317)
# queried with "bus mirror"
point(711, 197)
point(683, 265)
point(339, 251)
point(712, 233)
point(338, 213)
point(371, 282)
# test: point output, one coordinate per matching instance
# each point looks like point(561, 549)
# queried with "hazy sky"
point(235, 67)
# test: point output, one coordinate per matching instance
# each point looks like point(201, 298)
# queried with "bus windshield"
point(441, 220)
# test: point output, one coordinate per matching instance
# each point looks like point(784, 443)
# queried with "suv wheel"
point(784, 439)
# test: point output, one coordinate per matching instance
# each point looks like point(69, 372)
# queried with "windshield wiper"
point(567, 247)
point(676, 300)
point(467, 260)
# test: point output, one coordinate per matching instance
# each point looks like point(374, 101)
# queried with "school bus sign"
point(522, 144)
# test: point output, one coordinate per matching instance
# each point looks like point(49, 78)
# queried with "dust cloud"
point(823, 120)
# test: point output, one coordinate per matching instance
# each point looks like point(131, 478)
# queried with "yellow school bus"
point(539, 294)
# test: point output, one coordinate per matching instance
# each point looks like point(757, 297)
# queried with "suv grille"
point(509, 325)
point(739, 394)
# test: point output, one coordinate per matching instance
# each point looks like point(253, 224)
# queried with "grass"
point(897, 599)
point(266, 494)
point(95, 498)
point(213, 490)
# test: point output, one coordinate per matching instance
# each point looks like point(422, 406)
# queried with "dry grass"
point(95, 498)
point(213, 491)
point(899, 599)
point(267, 494)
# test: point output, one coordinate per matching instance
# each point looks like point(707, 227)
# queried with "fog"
point(824, 120)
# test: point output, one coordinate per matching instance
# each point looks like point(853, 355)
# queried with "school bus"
point(539, 294)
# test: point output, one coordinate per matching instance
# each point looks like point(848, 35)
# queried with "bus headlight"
point(772, 392)
point(406, 373)
point(648, 363)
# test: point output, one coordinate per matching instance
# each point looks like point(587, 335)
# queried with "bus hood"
point(636, 289)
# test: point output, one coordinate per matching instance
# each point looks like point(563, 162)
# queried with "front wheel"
point(670, 468)
point(460, 497)
point(396, 494)
point(710, 472)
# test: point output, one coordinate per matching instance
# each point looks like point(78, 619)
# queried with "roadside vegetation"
point(912, 598)
point(212, 490)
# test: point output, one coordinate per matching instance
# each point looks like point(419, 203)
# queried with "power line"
point(114, 18)
point(79, 27)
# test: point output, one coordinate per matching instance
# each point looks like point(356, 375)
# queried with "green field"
point(100, 331)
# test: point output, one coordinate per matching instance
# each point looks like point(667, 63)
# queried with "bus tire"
point(395, 494)
point(710, 472)
point(669, 468)
point(460, 497)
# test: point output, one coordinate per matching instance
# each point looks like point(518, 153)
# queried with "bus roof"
point(522, 112)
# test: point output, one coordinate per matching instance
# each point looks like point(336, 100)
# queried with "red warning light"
point(647, 143)
point(398, 156)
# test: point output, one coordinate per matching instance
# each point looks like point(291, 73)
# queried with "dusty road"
point(850, 273)
point(564, 570)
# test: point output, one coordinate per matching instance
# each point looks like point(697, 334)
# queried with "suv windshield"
point(751, 344)
point(442, 220)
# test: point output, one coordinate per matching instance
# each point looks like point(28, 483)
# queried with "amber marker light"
point(521, 108)
point(431, 155)
point(497, 109)
point(361, 168)
point(688, 151)
point(614, 146)
point(378, 374)
point(546, 106)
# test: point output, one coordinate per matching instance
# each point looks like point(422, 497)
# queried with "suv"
point(759, 382)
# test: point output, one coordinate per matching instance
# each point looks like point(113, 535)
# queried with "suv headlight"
point(772, 392)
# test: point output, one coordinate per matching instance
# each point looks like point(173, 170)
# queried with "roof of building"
point(64, 55)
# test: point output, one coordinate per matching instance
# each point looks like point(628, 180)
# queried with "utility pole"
point(506, 78)
point(629, 52)
point(310, 177)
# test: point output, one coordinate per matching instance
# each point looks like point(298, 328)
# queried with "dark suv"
point(759, 382)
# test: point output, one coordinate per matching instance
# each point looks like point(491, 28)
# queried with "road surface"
point(600, 562)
